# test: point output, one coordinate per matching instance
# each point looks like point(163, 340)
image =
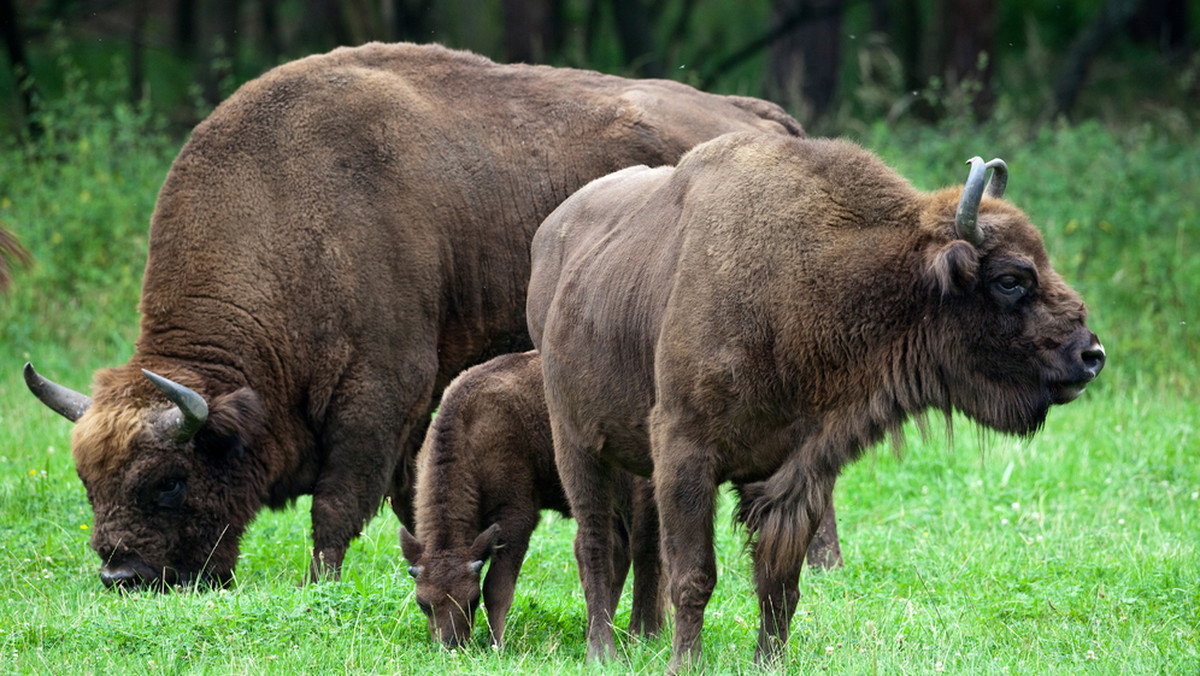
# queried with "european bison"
point(760, 315)
point(484, 473)
point(333, 244)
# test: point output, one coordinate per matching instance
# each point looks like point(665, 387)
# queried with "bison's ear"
point(235, 422)
point(412, 548)
point(485, 543)
point(952, 269)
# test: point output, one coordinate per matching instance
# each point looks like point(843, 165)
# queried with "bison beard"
point(761, 314)
point(338, 240)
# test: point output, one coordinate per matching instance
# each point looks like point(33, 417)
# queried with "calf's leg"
point(505, 567)
point(621, 552)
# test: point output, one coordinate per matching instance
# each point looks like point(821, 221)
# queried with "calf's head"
point(1008, 336)
point(447, 580)
point(170, 476)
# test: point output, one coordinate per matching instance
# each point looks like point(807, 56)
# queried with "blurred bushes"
point(80, 200)
point(1116, 206)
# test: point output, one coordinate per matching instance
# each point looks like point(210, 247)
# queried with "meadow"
point(1073, 552)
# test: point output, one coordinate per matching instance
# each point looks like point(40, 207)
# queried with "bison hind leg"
point(646, 617)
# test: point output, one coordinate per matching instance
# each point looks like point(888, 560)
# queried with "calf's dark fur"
point(484, 473)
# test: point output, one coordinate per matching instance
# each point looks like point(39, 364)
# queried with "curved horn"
point(999, 179)
point(192, 407)
point(62, 400)
point(966, 217)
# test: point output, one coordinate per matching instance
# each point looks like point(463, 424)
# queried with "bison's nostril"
point(1093, 358)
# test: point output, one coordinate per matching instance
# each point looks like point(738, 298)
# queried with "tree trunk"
point(804, 63)
point(966, 45)
point(412, 20)
point(272, 41)
point(1162, 22)
point(1090, 41)
point(633, 29)
point(14, 42)
point(137, 38)
point(185, 28)
point(530, 30)
point(221, 33)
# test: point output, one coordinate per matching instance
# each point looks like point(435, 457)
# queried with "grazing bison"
point(484, 474)
point(760, 315)
point(332, 245)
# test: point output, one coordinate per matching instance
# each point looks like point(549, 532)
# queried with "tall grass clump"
point(1071, 552)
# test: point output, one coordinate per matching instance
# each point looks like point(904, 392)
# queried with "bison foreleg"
point(361, 442)
point(501, 581)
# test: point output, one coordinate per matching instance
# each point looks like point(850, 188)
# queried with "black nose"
point(1093, 358)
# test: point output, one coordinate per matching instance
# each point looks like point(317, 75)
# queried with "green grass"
point(1074, 552)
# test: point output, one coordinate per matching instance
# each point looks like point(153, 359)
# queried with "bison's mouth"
point(1065, 393)
point(1083, 365)
point(136, 576)
point(133, 575)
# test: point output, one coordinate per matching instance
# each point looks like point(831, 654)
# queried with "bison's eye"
point(425, 608)
point(1009, 284)
point(1007, 289)
point(169, 492)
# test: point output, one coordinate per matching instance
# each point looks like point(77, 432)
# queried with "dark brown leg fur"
point(646, 617)
point(589, 488)
point(685, 490)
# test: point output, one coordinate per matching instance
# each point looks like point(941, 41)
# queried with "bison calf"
point(484, 473)
point(762, 313)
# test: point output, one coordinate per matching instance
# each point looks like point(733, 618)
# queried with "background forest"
point(1076, 551)
point(837, 64)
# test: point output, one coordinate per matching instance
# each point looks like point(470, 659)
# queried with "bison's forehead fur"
point(105, 439)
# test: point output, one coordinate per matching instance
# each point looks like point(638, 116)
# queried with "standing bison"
point(332, 245)
point(484, 473)
point(760, 315)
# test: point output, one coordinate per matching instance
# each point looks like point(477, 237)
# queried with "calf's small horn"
point(966, 218)
point(193, 410)
point(62, 400)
